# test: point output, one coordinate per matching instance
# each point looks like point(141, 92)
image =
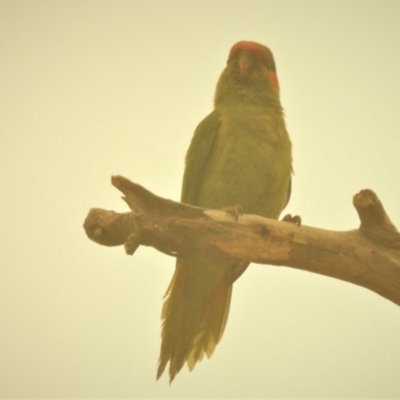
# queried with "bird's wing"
point(197, 157)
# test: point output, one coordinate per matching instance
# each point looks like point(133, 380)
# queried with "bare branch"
point(375, 224)
point(369, 256)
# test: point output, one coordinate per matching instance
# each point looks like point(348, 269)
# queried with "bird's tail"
point(195, 312)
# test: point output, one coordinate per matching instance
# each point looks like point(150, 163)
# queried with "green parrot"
point(240, 154)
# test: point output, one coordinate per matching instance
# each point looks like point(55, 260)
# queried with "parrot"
point(240, 155)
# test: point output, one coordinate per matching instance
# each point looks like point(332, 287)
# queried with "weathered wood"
point(368, 256)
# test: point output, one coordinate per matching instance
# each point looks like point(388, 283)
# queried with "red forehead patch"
point(256, 48)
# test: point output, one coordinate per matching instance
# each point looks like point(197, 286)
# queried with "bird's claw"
point(235, 211)
point(295, 219)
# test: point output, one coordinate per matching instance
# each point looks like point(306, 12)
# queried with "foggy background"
point(89, 89)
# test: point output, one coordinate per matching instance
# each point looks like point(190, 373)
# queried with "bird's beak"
point(244, 64)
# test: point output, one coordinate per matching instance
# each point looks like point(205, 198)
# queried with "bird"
point(240, 154)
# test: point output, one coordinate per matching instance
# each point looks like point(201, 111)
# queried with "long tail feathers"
point(194, 318)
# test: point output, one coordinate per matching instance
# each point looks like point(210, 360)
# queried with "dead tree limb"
point(368, 256)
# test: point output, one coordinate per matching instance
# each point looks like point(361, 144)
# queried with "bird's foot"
point(295, 219)
point(235, 211)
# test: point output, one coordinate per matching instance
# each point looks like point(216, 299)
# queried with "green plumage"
point(240, 154)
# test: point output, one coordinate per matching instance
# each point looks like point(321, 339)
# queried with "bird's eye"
point(229, 60)
point(270, 65)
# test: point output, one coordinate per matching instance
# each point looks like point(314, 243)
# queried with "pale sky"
point(89, 89)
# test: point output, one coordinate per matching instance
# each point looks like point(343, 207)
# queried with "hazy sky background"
point(89, 89)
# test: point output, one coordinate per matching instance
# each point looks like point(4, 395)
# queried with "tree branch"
point(368, 256)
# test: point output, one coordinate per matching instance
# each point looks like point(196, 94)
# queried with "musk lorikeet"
point(240, 154)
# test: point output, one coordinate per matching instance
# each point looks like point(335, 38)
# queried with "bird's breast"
point(250, 165)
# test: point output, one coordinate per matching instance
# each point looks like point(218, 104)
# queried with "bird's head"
point(250, 75)
point(249, 57)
